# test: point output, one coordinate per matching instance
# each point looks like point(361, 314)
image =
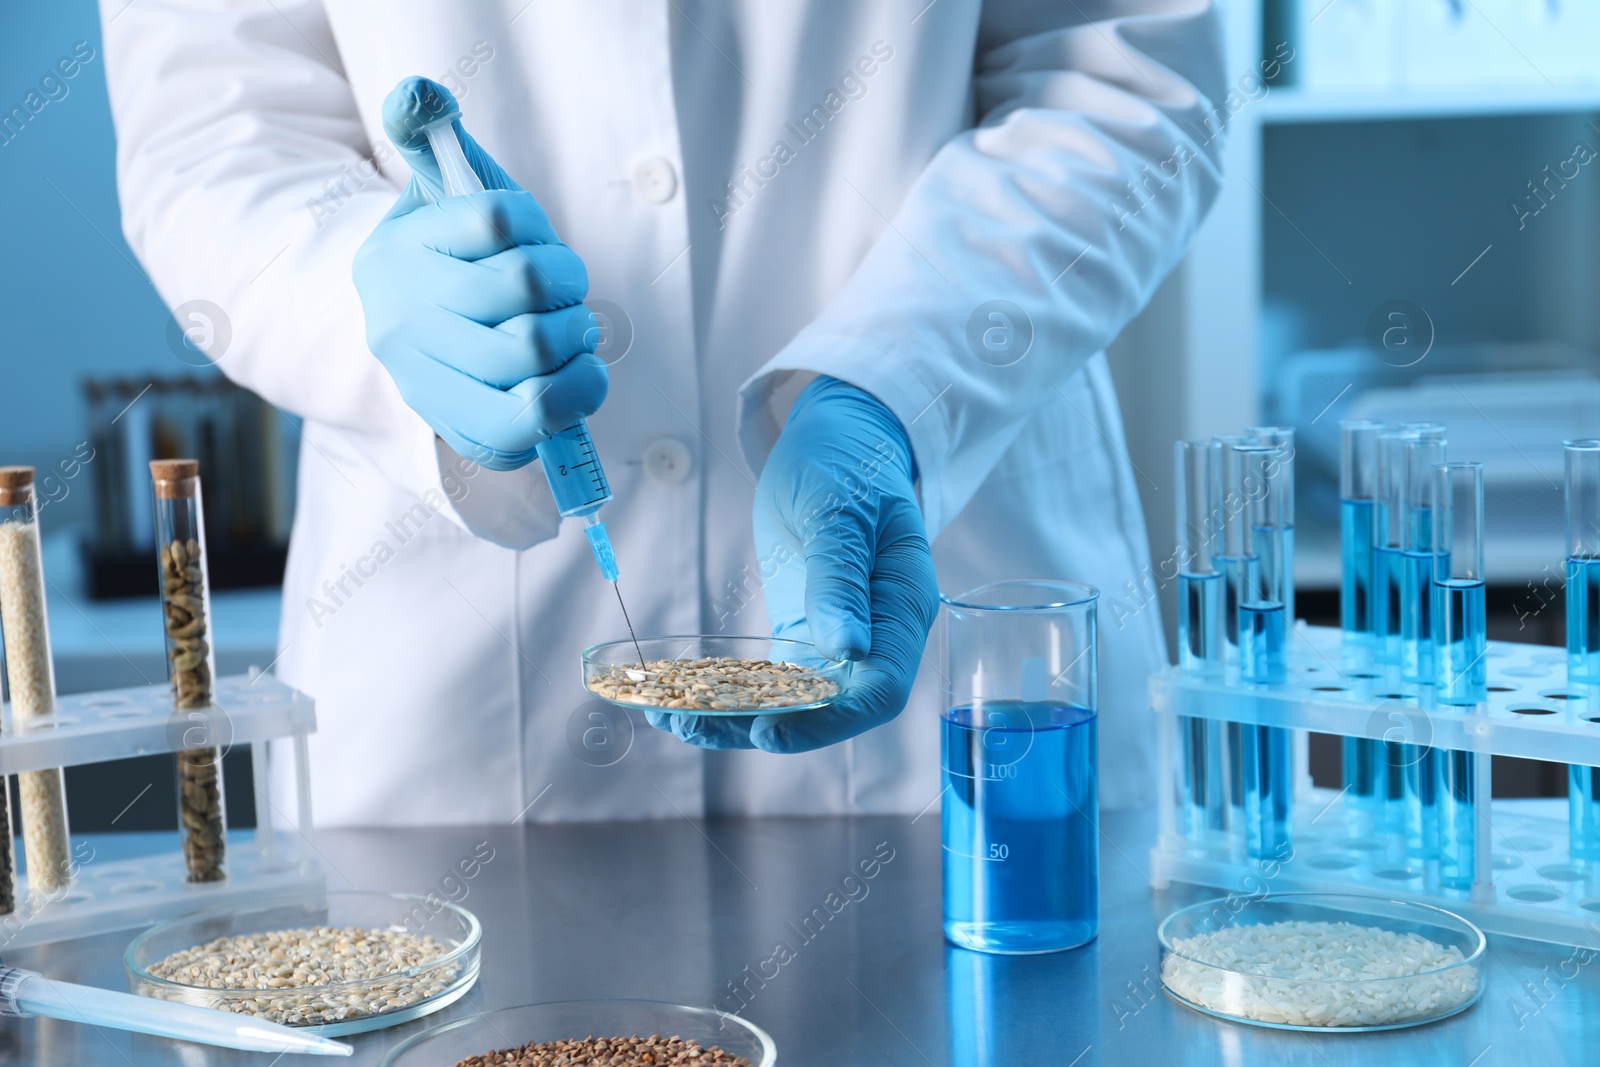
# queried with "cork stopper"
point(175, 478)
point(16, 485)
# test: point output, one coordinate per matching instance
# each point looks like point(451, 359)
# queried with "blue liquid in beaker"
point(1020, 818)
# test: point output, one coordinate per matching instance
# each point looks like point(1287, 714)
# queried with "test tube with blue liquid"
point(1424, 451)
point(1231, 553)
point(1019, 814)
point(1202, 802)
point(1389, 545)
point(1232, 561)
point(568, 457)
point(1459, 646)
point(1358, 507)
point(1398, 791)
point(1283, 438)
point(1583, 631)
point(1267, 762)
point(1263, 623)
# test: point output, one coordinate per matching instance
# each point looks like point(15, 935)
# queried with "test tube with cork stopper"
point(191, 663)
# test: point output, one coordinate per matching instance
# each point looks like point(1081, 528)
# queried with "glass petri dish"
point(802, 679)
point(1287, 979)
point(443, 1046)
point(452, 973)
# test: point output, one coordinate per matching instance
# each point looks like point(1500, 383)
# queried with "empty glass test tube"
point(1202, 799)
point(1583, 629)
point(1267, 764)
point(30, 678)
point(1283, 438)
point(1358, 507)
point(1459, 647)
point(191, 662)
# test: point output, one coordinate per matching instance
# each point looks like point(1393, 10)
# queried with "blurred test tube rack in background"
point(250, 445)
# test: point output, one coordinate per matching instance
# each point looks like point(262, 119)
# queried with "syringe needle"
point(618, 590)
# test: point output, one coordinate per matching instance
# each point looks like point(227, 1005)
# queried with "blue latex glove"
point(473, 304)
point(836, 516)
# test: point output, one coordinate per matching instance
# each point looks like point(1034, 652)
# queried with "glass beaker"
point(1020, 815)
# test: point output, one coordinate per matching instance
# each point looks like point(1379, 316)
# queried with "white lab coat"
point(769, 191)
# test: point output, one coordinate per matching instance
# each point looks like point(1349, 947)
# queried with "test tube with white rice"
point(1199, 635)
point(30, 678)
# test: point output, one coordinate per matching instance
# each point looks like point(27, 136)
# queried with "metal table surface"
point(684, 911)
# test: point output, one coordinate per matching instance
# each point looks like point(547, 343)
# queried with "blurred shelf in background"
point(1366, 105)
point(1408, 229)
point(247, 451)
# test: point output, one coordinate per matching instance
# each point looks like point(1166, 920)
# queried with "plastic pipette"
point(568, 457)
point(30, 993)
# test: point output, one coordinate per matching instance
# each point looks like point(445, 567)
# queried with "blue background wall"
point(73, 298)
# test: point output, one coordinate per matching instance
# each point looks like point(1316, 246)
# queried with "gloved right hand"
point(473, 304)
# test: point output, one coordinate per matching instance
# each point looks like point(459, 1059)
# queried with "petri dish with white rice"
point(1322, 961)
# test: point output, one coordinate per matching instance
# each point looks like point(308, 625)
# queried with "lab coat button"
point(654, 179)
point(668, 461)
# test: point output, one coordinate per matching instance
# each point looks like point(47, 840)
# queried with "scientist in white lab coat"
point(924, 221)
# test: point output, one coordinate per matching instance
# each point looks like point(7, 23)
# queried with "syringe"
point(568, 457)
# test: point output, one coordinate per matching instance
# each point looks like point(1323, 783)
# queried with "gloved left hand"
point(836, 516)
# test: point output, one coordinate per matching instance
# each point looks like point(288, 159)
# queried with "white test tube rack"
point(1526, 884)
point(118, 894)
